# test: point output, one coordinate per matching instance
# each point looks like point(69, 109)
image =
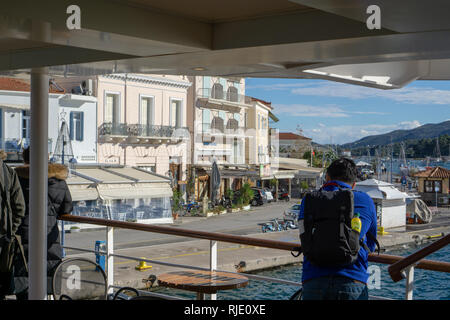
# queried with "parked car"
point(259, 197)
point(293, 212)
point(269, 195)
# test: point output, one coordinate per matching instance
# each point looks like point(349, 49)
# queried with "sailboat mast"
point(438, 151)
point(392, 155)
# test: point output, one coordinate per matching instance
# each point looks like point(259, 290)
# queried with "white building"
point(390, 203)
point(78, 111)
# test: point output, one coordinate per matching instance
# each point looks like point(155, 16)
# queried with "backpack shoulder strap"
point(374, 239)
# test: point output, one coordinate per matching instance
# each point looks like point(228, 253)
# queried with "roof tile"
point(11, 84)
point(437, 172)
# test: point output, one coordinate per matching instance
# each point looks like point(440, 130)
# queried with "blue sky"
point(339, 113)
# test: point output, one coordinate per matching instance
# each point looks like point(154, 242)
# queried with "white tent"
point(377, 189)
point(362, 164)
point(390, 202)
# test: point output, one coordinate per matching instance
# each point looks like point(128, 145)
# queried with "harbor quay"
point(230, 257)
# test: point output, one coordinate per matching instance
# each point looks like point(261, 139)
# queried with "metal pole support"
point(110, 259)
point(409, 275)
point(37, 254)
point(213, 261)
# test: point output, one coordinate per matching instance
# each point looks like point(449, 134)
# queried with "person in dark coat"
point(59, 202)
point(14, 207)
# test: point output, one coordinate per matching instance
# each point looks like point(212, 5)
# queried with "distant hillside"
point(423, 132)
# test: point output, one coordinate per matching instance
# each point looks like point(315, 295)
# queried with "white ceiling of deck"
point(321, 39)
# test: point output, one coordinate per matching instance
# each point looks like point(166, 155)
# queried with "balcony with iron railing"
point(140, 132)
point(401, 267)
point(218, 129)
point(225, 96)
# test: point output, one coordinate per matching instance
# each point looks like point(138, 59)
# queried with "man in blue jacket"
point(349, 282)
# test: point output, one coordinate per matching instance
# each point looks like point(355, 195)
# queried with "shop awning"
point(115, 183)
point(212, 152)
point(83, 192)
point(81, 188)
point(302, 171)
point(284, 174)
point(139, 175)
point(100, 175)
point(273, 117)
point(134, 191)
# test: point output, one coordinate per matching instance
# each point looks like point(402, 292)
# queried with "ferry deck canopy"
point(315, 39)
point(321, 39)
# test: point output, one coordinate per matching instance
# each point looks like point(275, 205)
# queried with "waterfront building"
point(141, 121)
point(78, 111)
point(434, 186)
point(257, 151)
point(293, 145)
point(217, 114)
point(262, 149)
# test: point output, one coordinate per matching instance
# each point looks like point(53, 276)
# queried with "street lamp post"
point(436, 189)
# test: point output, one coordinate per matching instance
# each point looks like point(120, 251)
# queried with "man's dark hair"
point(343, 169)
point(26, 155)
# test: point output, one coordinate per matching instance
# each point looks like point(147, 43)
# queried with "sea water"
point(428, 285)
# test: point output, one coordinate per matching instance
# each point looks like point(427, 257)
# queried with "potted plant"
point(176, 204)
point(246, 196)
point(74, 229)
point(235, 207)
point(230, 195)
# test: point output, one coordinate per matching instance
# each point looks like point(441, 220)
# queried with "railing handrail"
point(396, 268)
point(431, 265)
point(282, 245)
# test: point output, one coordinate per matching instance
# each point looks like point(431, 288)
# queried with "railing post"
point(409, 275)
point(213, 260)
point(110, 258)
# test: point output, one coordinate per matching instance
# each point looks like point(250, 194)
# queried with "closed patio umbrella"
point(215, 181)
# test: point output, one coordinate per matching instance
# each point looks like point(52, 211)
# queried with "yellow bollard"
point(381, 231)
point(142, 265)
point(435, 236)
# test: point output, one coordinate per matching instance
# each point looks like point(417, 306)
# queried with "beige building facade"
point(217, 120)
point(141, 121)
point(257, 146)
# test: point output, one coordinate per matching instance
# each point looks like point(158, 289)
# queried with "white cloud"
point(409, 124)
point(327, 111)
point(300, 110)
point(409, 95)
point(276, 86)
point(350, 133)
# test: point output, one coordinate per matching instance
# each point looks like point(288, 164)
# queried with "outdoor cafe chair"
point(79, 279)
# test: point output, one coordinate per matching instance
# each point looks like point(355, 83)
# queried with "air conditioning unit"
point(77, 90)
point(87, 87)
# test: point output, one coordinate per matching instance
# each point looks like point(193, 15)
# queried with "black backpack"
point(328, 239)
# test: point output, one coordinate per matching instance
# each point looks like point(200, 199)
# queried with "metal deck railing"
point(398, 262)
